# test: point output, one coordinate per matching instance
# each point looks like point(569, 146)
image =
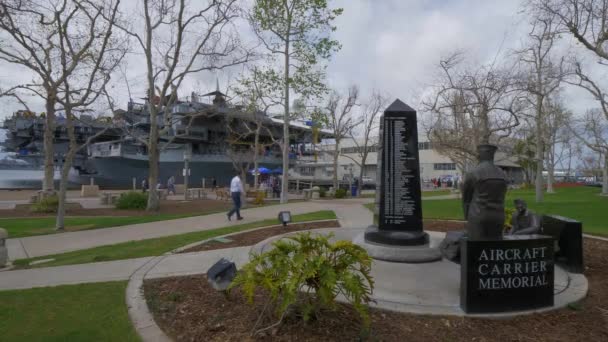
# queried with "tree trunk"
point(362, 171)
point(48, 183)
point(63, 187)
point(551, 165)
point(550, 178)
point(539, 151)
point(605, 176)
point(154, 156)
point(256, 147)
point(65, 171)
point(335, 162)
point(285, 183)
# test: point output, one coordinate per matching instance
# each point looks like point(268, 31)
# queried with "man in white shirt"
point(236, 188)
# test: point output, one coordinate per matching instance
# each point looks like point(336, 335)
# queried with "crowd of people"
point(447, 182)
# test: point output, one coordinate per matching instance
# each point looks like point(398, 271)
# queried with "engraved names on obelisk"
point(400, 211)
point(397, 175)
point(400, 202)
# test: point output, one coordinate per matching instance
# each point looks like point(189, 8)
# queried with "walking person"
point(236, 188)
point(171, 185)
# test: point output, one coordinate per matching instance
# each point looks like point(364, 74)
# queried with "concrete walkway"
point(169, 265)
point(349, 212)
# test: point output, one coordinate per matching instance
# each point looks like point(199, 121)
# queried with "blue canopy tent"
point(277, 171)
point(260, 171)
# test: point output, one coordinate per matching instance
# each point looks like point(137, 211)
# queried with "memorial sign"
point(516, 273)
point(400, 213)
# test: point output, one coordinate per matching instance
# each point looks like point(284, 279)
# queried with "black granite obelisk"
point(400, 212)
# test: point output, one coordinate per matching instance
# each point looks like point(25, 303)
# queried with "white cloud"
point(389, 45)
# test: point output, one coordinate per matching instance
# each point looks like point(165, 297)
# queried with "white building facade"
point(433, 165)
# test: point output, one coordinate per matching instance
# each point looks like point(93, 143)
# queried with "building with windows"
point(433, 165)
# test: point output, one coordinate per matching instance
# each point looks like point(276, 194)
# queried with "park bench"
point(196, 193)
point(108, 198)
point(568, 234)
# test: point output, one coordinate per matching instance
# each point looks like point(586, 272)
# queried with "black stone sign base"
point(396, 237)
point(513, 274)
point(569, 236)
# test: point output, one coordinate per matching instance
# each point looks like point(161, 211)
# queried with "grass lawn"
point(579, 203)
point(23, 227)
point(86, 312)
point(157, 246)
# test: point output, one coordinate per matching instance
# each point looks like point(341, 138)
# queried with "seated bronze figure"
point(524, 221)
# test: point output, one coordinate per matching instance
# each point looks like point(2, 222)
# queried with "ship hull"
point(119, 172)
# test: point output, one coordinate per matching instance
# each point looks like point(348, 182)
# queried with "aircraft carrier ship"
point(216, 138)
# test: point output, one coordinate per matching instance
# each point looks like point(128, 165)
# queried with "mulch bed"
point(253, 237)
point(188, 309)
point(166, 207)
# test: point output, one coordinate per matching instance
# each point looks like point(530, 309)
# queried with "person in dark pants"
point(236, 188)
point(213, 182)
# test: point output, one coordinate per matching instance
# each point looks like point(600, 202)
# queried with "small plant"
point(322, 192)
point(508, 217)
point(259, 198)
point(305, 273)
point(46, 205)
point(132, 200)
point(340, 193)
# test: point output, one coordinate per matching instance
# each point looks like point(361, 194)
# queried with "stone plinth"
point(434, 288)
point(180, 189)
point(316, 192)
point(427, 252)
point(89, 191)
point(516, 273)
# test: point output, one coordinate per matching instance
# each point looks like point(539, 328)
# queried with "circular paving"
point(434, 288)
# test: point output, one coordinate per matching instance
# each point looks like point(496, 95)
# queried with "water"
point(23, 179)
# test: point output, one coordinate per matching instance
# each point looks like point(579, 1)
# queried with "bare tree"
point(585, 20)
point(92, 73)
point(593, 132)
point(177, 40)
point(469, 107)
point(33, 31)
point(341, 121)
point(542, 77)
point(13, 93)
point(556, 138)
point(370, 116)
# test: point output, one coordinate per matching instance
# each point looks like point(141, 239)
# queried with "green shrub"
point(305, 273)
point(322, 192)
point(259, 197)
point(340, 193)
point(508, 216)
point(132, 200)
point(46, 205)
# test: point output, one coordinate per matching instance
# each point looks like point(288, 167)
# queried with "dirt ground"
point(188, 309)
point(253, 237)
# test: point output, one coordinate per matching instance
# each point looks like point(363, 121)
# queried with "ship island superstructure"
point(216, 138)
